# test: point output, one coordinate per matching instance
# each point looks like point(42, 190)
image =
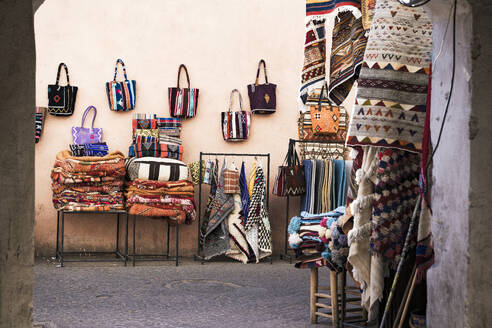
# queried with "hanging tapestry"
point(367, 8)
point(324, 7)
point(313, 70)
point(239, 248)
point(392, 87)
point(347, 52)
point(395, 195)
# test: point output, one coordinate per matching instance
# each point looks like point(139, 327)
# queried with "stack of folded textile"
point(334, 238)
point(156, 137)
point(94, 149)
point(307, 238)
point(89, 183)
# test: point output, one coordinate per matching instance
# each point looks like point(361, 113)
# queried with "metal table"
point(60, 236)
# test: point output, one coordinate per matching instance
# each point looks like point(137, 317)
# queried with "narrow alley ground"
point(215, 294)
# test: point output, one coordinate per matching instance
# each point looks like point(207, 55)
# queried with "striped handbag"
point(235, 125)
point(121, 95)
point(183, 102)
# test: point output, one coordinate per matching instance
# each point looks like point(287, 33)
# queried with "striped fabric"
point(323, 7)
point(162, 169)
point(235, 125)
point(231, 182)
point(40, 117)
point(170, 140)
point(121, 95)
point(147, 149)
point(183, 102)
point(171, 151)
point(169, 127)
point(95, 149)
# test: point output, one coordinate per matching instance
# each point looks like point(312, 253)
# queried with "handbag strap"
point(240, 100)
point(58, 73)
point(187, 76)
point(119, 61)
point(262, 61)
point(325, 86)
point(292, 157)
point(87, 112)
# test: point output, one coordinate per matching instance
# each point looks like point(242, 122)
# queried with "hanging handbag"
point(290, 179)
point(81, 135)
point(61, 99)
point(40, 116)
point(325, 117)
point(235, 125)
point(183, 102)
point(121, 95)
point(262, 97)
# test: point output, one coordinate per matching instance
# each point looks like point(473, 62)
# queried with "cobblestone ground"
point(215, 294)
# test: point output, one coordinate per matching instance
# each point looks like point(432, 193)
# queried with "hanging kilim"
point(395, 195)
point(392, 87)
point(324, 7)
point(347, 51)
point(313, 71)
point(367, 8)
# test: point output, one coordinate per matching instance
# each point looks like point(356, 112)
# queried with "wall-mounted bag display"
point(121, 95)
point(290, 179)
point(183, 102)
point(324, 116)
point(61, 99)
point(262, 97)
point(40, 117)
point(81, 135)
point(235, 125)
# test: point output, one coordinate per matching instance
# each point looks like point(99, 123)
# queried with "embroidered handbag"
point(194, 169)
point(121, 95)
point(147, 149)
point(40, 116)
point(81, 135)
point(290, 180)
point(183, 102)
point(324, 116)
point(61, 99)
point(161, 169)
point(235, 125)
point(262, 97)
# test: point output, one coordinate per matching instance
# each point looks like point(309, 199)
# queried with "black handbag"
point(262, 97)
point(61, 99)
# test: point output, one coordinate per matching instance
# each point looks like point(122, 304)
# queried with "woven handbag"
point(235, 125)
point(40, 117)
point(61, 99)
point(121, 95)
point(262, 97)
point(290, 179)
point(183, 102)
point(81, 135)
point(324, 116)
point(194, 169)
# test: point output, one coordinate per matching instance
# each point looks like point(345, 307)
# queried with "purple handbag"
point(262, 97)
point(81, 135)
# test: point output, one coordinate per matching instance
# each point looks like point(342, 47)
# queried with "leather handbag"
point(121, 95)
point(262, 97)
point(183, 102)
point(61, 99)
point(290, 179)
point(81, 135)
point(235, 125)
point(40, 117)
point(324, 116)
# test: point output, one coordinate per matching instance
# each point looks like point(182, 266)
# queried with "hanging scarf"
point(243, 186)
point(258, 231)
point(239, 248)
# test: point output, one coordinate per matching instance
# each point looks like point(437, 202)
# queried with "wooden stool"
point(316, 306)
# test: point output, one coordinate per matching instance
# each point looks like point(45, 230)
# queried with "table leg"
point(126, 238)
point(334, 297)
point(62, 237)
point(134, 248)
point(312, 295)
point(57, 233)
point(117, 233)
point(168, 231)
point(177, 244)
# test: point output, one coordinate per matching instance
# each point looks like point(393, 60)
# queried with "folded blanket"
point(60, 176)
point(104, 187)
point(66, 154)
point(175, 214)
point(153, 185)
point(92, 208)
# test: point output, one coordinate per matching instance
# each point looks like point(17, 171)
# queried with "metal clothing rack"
point(325, 153)
point(267, 156)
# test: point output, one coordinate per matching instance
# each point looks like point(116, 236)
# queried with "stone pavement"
point(215, 294)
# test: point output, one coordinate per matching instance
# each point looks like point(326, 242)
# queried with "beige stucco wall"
point(220, 42)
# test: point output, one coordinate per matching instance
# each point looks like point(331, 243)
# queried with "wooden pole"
point(407, 303)
point(313, 298)
point(405, 295)
point(334, 297)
